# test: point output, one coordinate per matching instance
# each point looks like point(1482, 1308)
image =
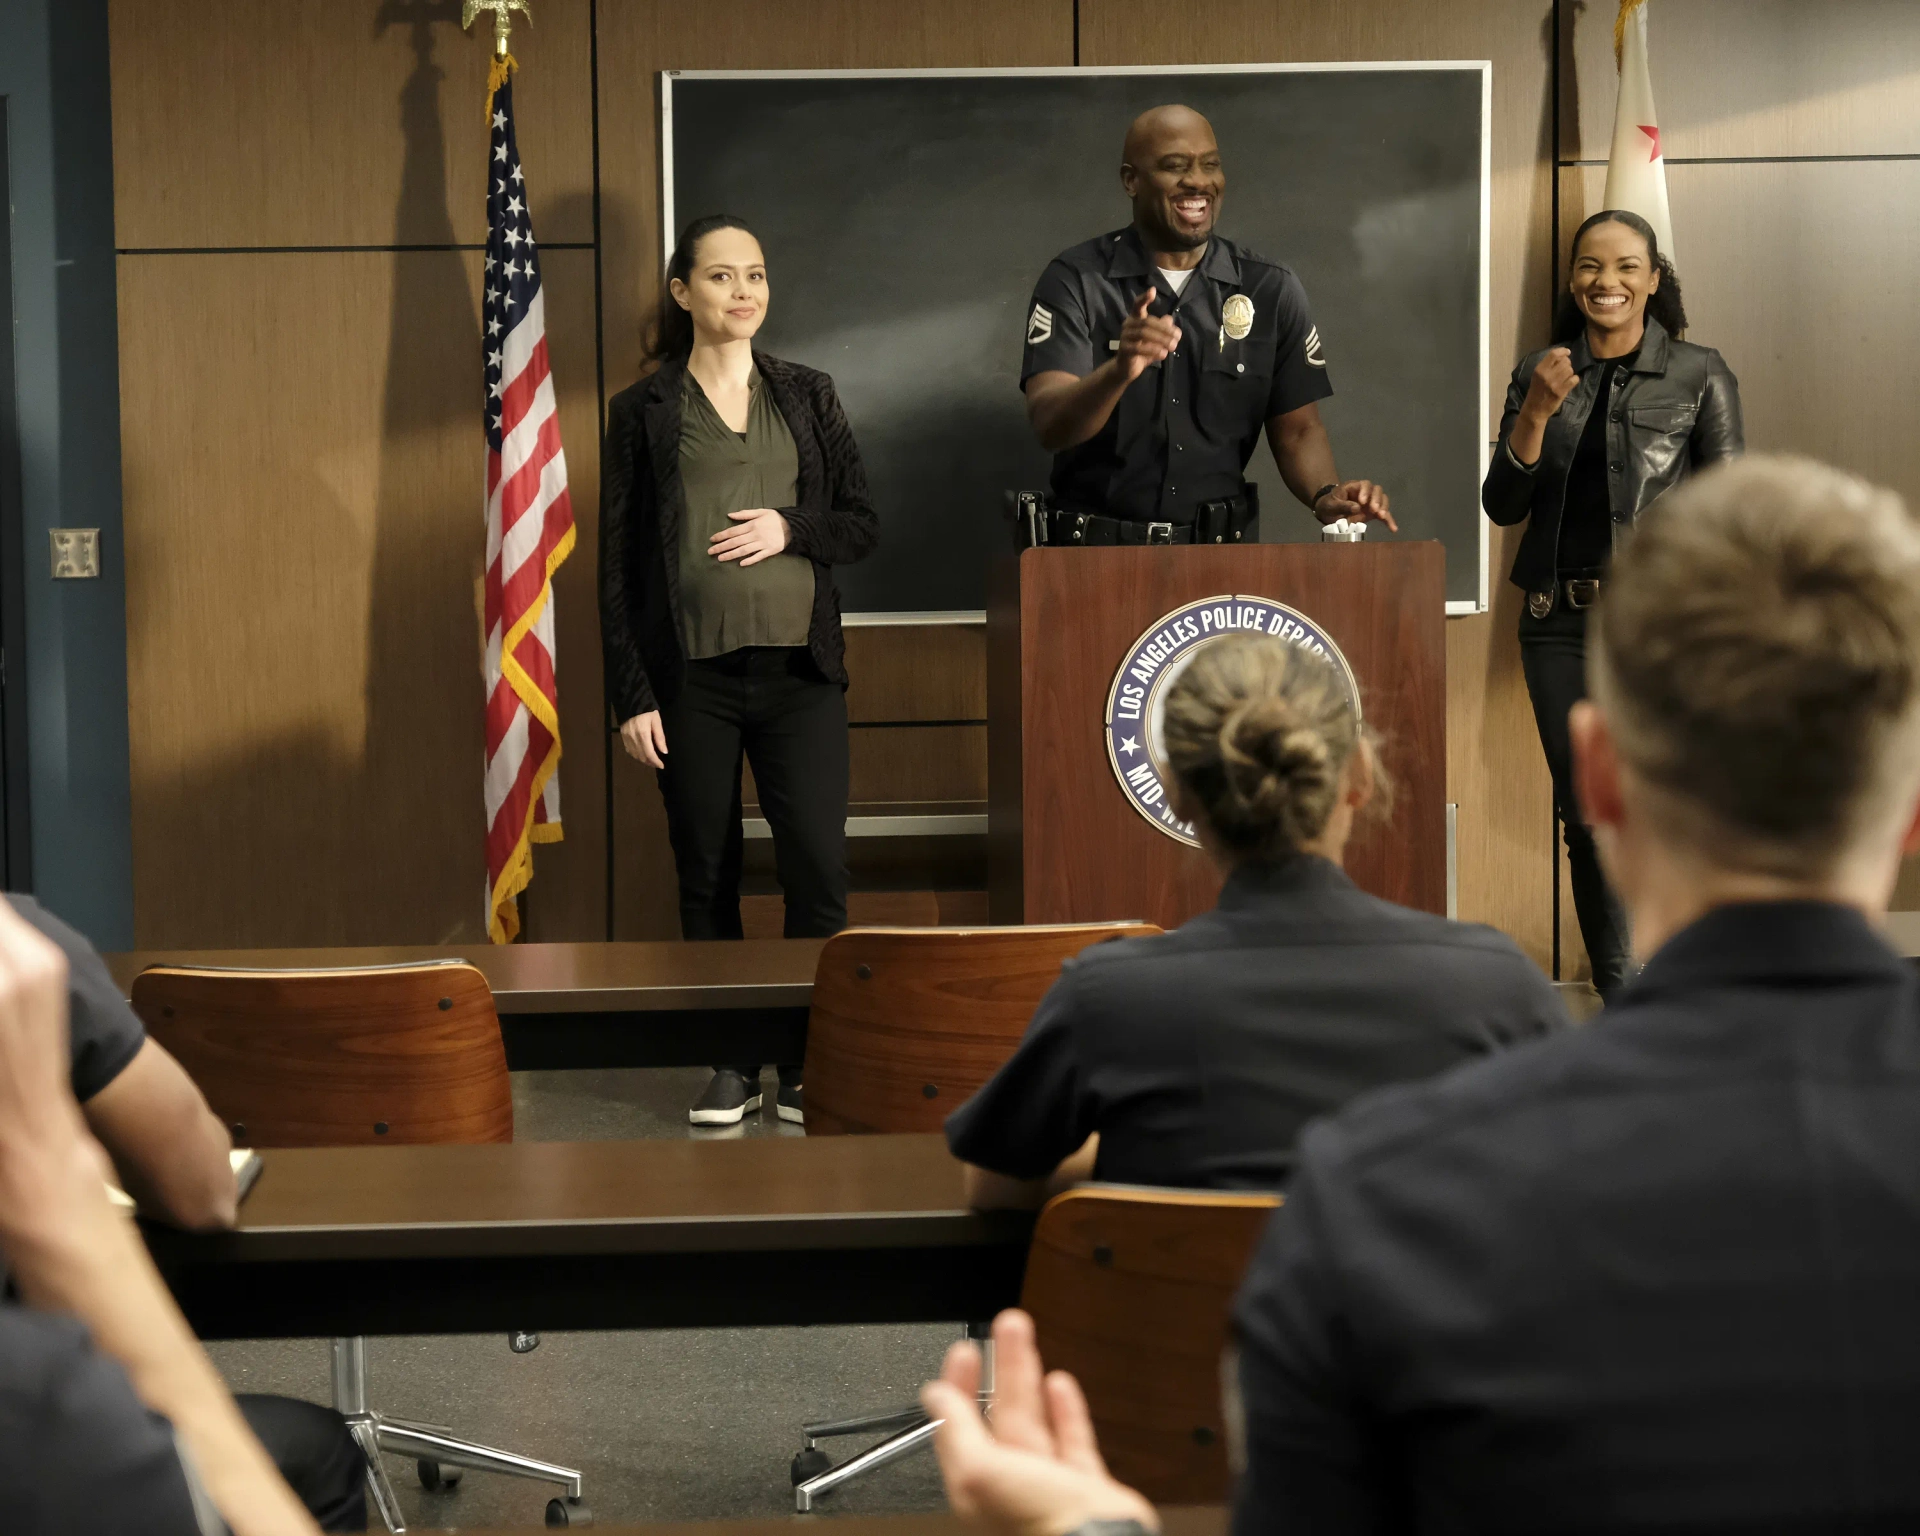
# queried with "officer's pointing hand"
point(1358, 501)
point(1145, 339)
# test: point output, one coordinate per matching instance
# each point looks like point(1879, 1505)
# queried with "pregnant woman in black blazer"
point(731, 485)
point(1616, 411)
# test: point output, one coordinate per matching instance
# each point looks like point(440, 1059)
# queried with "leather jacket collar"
point(1652, 357)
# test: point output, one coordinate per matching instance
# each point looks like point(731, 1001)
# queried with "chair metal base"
point(375, 1433)
point(892, 1448)
point(911, 1429)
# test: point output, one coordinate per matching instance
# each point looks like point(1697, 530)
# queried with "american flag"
point(529, 532)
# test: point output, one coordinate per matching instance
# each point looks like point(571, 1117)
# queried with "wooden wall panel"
point(360, 122)
point(1755, 77)
point(917, 672)
point(1906, 897)
point(1496, 776)
point(1495, 772)
point(636, 42)
point(304, 543)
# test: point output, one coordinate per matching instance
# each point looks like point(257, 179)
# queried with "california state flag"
point(1636, 170)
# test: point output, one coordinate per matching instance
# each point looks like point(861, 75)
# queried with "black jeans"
point(1553, 655)
point(771, 704)
point(315, 1454)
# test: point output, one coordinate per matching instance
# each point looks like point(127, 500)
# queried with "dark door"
point(15, 853)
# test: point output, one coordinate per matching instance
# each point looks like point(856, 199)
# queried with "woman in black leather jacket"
point(1616, 411)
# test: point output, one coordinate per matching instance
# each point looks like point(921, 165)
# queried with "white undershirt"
point(1177, 280)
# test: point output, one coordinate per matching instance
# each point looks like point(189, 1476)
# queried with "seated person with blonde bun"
point(1193, 1059)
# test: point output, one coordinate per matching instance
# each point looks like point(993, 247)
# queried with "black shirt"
point(1658, 1274)
point(106, 1033)
point(1184, 430)
point(1199, 1054)
point(1586, 519)
point(80, 1455)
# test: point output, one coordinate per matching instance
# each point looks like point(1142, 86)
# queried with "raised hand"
point(1553, 381)
point(1037, 1471)
point(1145, 339)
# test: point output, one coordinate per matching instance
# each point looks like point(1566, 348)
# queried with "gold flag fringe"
point(504, 64)
point(1627, 8)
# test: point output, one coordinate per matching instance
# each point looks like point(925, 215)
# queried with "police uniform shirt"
point(105, 1034)
point(80, 1454)
point(1184, 430)
point(1657, 1274)
point(1199, 1054)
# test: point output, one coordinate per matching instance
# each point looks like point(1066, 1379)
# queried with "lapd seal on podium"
point(1136, 702)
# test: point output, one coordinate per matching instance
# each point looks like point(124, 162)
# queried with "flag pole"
point(525, 497)
point(1636, 169)
point(1627, 8)
point(504, 63)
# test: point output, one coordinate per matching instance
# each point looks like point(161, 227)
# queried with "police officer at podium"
point(1154, 357)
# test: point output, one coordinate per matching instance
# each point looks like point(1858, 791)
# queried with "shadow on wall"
point(311, 839)
point(425, 741)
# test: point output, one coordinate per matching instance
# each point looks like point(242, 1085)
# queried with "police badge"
point(1236, 316)
point(1136, 702)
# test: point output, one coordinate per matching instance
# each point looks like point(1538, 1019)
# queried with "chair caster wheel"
point(523, 1343)
point(809, 1464)
point(568, 1511)
point(436, 1477)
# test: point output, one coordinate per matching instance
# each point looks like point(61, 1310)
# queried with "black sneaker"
point(726, 1100)
point(786, 1103)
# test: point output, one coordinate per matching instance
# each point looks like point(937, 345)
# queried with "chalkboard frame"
point(669, 223)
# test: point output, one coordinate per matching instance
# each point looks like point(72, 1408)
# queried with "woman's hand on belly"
point(754, 536)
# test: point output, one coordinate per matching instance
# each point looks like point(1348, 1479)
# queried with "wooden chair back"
point(908, 1022)
point(336, 1058)
point(1131, 1290)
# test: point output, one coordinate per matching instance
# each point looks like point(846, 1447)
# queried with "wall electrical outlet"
point(76, 553)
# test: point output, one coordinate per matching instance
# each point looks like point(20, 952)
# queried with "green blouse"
point(722, 606)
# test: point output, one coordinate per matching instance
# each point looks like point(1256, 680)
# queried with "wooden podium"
point(1066, 842)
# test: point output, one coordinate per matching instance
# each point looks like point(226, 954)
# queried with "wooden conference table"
point(597, 1005)
point(598, 1234)
point(633, 1005)
point(1190, 1520)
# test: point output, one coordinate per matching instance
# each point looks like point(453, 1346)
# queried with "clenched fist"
point(1553, 381)
point(1145, 339)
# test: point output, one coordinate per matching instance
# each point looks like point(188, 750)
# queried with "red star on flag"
point(1654, 134)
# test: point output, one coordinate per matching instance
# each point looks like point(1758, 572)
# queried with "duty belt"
point(1230, 520)
point(1579, 592)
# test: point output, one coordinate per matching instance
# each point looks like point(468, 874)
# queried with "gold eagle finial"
point(502, 24)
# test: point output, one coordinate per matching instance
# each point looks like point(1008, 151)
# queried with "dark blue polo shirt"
point(1184, 430)
point(103, 1030)
point(1660, 1274)
point(1199, 1054)
point(80, 1454)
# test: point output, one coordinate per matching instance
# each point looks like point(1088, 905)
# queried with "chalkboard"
point(907, 215)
